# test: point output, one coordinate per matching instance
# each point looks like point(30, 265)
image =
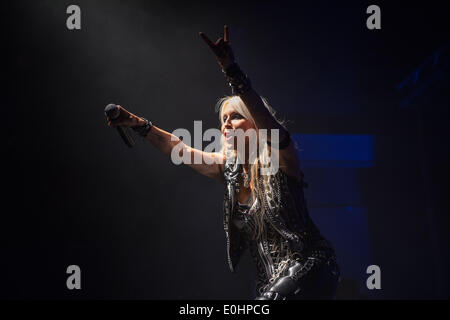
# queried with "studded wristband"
point(143, 130)
point(238, 80)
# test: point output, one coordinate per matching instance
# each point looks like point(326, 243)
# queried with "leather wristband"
point(143, 130)
point(238, 80)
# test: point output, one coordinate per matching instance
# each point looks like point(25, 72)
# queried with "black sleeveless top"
point(289, 233)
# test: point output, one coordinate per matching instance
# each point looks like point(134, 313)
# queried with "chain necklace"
point(246, 178)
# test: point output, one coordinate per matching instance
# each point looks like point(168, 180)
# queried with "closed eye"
point(234, 116)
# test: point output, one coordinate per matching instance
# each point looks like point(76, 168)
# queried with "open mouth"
point(229, 134)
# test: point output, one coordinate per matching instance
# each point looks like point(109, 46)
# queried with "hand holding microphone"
point(121, 119)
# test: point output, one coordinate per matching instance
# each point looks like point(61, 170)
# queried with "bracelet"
point(143, 130)
point(238, 80)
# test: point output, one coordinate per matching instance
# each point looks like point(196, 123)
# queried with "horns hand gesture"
point(221, 49)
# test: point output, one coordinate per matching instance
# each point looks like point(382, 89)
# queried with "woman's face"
point(232, 121)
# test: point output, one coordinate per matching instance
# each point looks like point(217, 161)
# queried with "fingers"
point(108, 121)
point(220, 47)
point(111, 124)
point(114, 123)
point(124, 113)
point(226, 35)
point(122, 110)
point(208, 42)
point(120, 120)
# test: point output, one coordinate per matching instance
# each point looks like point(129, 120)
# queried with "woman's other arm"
point(210, 164)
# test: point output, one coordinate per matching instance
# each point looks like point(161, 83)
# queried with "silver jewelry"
point(246, 178)
point(238, 80)
point(143, 129)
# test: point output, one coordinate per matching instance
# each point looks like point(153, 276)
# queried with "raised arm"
point(211, 164)
point(241, 86)
point(225, 57)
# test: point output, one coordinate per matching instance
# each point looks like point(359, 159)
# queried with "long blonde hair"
point(263, 154)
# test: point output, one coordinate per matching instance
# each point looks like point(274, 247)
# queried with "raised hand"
point(221, 48)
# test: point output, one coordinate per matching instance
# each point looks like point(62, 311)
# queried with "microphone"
point(113, 112)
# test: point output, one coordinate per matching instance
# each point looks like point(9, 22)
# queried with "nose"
point(227, 124)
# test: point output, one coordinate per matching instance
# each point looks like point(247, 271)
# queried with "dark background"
point(142, 228)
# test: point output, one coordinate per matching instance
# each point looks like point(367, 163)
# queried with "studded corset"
point(271, 253)
point(289, 232)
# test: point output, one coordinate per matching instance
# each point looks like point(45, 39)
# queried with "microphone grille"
point(112, 111)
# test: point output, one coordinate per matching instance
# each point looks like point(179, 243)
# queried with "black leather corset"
point(285, 211)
